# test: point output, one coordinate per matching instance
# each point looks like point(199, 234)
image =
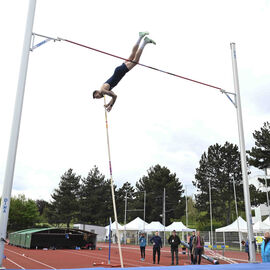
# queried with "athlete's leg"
point(136, 46)
point(138, 53)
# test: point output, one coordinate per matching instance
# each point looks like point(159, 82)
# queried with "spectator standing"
point(157, 245)
point(246, 244)
point(142, 241)
point(190, 247)
point(265, 248)
point(174, 241)
point(198, 247)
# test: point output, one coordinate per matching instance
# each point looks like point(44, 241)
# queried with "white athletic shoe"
point(142, 34)
point(149, 40)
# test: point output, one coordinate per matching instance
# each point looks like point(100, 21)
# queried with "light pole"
point(186, 208)
point(144, 208)
point(134, 210)
point(164, 212)
point(236, 210)
point(125, 221)
point(211, 216)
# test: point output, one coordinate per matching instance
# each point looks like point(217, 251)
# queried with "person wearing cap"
point(174, 241)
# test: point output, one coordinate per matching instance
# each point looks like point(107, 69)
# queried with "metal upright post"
point(243, 156)
point(15, 130)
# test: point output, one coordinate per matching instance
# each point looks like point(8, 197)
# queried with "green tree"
point(95, 199)
point(153, 183)
point(259, 155)
point(23, 213)
point(41, 205)
point(220, 166)
point(65, 204)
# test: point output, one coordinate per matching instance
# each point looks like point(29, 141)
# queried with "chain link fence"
point(232, 240)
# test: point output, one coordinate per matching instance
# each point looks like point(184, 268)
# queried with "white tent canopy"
point(136, 224)
point(261, 227)
point(178, 227)
point(154, 226)
point(267, 221)
point(234, 226)
point(113, 227)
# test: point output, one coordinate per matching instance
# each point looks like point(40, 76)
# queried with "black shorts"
point(118, 74)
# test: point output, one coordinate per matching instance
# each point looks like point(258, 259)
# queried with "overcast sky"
point(157, 118)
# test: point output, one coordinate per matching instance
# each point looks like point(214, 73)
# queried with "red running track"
point(19, 258)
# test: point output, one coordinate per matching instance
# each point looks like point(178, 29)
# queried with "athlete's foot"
point(142, 34)
point(149, 40)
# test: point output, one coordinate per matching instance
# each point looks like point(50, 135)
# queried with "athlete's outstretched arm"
point(109, 105)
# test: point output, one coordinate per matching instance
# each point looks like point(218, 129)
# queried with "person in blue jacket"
point(142, 241)
point(265, 248)
point(157, 245)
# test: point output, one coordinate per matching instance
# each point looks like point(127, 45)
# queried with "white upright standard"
point(8, 180)
point(243, 157)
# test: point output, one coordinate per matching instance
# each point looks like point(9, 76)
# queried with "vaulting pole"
point(13, 142)
point(112, 188)
point(243, 157)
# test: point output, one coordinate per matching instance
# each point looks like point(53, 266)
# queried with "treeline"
point(88, 199)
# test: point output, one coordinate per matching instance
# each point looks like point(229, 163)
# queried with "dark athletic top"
point(118, 74)
point(157, 240)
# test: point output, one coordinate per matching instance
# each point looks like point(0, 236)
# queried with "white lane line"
point(221, 257)
point(15, 263)
point(104, 257)
point(31, 259)
point(240, 260)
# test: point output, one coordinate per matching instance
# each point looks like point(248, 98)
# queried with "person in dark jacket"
point(157, 245)
point(174, 241)
point(190, 247)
